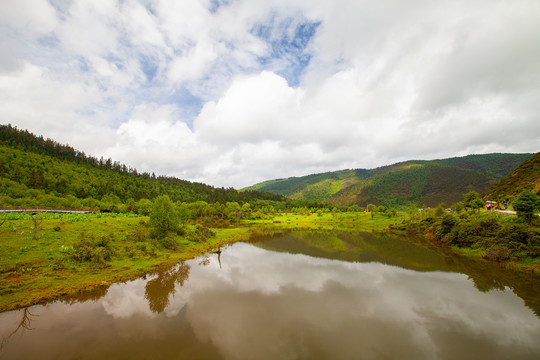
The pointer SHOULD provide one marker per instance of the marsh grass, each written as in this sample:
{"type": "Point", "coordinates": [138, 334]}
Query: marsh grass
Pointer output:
{"type": "Point", "coordinates": [332, 221]}
{"type": "Point", "coordinates": [76, 253]}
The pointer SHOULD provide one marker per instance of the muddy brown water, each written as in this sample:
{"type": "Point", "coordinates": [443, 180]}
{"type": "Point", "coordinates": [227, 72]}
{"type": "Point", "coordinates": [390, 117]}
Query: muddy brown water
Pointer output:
{"type": "Point", "coordinates": [295, 295]}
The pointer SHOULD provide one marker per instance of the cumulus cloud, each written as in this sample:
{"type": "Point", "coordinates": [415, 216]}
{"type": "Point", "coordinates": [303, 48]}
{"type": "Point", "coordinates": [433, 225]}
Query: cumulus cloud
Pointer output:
{"type": "Point", "coordinates": [232, 93]}
{"type": "Point", "coordinates": [28, 16]}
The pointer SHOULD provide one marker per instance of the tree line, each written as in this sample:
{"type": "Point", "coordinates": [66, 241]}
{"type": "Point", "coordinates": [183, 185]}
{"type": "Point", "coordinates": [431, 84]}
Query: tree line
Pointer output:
{"type": "Point", "coordinates": [41, 172]}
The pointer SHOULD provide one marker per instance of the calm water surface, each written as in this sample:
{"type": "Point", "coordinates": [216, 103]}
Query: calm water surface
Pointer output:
{"type": "Point", "coordinates": [295, 295]}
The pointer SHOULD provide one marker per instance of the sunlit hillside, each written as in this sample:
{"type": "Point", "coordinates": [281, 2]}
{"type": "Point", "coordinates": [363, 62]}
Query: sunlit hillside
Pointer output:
{"type": "Point", "coordinates": [410, 183]}
{"type": "Point", "coordinates": [525, 177]}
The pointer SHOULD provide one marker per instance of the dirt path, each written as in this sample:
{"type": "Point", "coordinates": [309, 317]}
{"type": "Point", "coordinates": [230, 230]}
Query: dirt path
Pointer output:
{"type": "Point", "coordinates": [509, 212]}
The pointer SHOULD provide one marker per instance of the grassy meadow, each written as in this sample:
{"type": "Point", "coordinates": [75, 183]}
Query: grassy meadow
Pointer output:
{"type": "Point", "coordinates": [50, 255]}
{"type": "Point", "coordinates": [73, 253]}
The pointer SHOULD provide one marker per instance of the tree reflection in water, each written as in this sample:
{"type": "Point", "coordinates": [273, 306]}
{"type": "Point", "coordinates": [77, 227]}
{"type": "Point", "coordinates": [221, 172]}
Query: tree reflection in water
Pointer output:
{"type": "Point", "coordinates": [204, 260]}
{"type": "Point", "coordinates": [24, 324]}
{"type": "Point", "coordinates": [158, 290]}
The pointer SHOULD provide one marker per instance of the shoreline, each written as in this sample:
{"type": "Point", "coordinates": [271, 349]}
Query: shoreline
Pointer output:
{"type": "Point", "coordinates": [41, 271]}
{"type": "Point", "coordinates": [44, 270]}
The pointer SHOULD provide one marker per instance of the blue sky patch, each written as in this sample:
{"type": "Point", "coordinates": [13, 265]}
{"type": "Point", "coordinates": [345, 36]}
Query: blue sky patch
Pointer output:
{"type": "Point", "coordinates": [48, 41]}
{"type": "Point", "coordinates": [190, 105]}
{"type": "Point", "coordinates": [216, 4]}
{"type": "Point", "coordinates": [288, 42]}
{"type": "Point", "coordinates": [149, 67]}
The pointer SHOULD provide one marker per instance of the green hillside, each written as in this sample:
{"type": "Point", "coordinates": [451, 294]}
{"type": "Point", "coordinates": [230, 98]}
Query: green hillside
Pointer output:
{"type": "Point", "coordinates": [494, 165]}
{"type": "Point", "coordinates": [315, 187]}
{"type": "Point", "coordinates": [410, 183]}
{"type": "Point", "coordinates": [41, 172]}
{"type": "Point", "coordinates": [418, 185]}
{"type": "Point", "coordinates": [525, 177]}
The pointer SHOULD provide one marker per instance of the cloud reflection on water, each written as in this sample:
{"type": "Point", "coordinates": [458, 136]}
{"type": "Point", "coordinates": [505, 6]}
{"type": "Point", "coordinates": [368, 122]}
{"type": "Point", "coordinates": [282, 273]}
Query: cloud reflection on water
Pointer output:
{"type": "Point", "coordinates": [289, 306]}
{"type": "Point", "coordinates": [271, 305]}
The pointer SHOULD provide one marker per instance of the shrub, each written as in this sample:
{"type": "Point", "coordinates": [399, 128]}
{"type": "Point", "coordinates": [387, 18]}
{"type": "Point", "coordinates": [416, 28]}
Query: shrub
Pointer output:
{"type": "Point", "coordinates": [136, 236]}
{"type": "Point", "coordinates": [439, 211]}
{"type": "Point", "coordinates": [520, 239]}
{"type": "Point", "coordinates": [526, 205]}
{"type": "Point", "coordinates": [163, 217]}
{"type": "Point", "coordinates": [90, 250]}
{"type": "Point", "coordinates": [445, 225]}
{"type": "Point", "coordinates": [515, 233]}
{"type": "Point", "coordinates": [497, 253]}
{"type": "Point", "coordinates": [168, 242]}
{"type": "Point", "coordinates": [463, 233]}
{"type": "Point", "coordinates": [200, 234]}
{"type": "Point", "coordinates": [100, 255]}
{"type": "Point", "coordinates": [472, 200]}
{"type": "Point", "coordinates": [140, 249]}
{"type": "Point", "coordinates": [488, 225]}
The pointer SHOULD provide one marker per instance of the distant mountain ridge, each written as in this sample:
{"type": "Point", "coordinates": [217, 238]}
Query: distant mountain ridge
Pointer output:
{"type": "Point", "coordinates": [409, 183]}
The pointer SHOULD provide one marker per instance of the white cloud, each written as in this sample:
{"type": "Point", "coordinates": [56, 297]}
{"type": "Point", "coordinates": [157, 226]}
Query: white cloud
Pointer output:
{"type": "Point", "coordinates": [193, 65]}
{"type": "Point", "coordinates": [375, 83]}
{"type": "Point", "coordinates": [27, 16]}
{"type": "Point", "coordinates": [143, 27]}
{"type": "Point", "coordinates": [36, 100]}
{"type": "Point", "coordinates": [151, 132]}
{"type": "Point", "coordinates": [90, 28]}
{"type": "Point", "coordinates": [252, 110]}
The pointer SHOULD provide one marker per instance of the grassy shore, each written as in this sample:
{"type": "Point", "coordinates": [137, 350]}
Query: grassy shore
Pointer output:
{"type": "Point", "coordinates": [51, 256]}
{"type": "Point", "coordinates": [333, 221]}
{"type": "Point", "coordinates": [502, 238]}
{"type": "Point", "coordinates": [77, 253]}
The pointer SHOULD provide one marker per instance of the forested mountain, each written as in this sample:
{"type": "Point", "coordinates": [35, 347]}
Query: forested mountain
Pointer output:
{"type": "Point", "coordinates": [525, 177]}
{"type": "Point", "coordinates": [41, 172]}
{"type": "Point", "coordinates": [415, 182]}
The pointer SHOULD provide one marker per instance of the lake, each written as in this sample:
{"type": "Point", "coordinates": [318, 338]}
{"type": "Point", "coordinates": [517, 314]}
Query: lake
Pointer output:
{"type": "Point", "coordinates": [295, 294]}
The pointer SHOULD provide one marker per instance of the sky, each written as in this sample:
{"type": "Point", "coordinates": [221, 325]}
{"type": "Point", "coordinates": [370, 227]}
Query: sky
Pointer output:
{"type": "Point", "coordinates": [234, 92]}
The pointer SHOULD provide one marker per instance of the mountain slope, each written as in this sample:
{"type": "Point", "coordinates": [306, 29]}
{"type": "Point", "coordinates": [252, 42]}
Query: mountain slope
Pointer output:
{"type": "Point", "coordinates": [421, 184]}
{"type": "Point", "coordinates": [415, 182]}
{"type": "Point", "coordinates": [314, 186]}
{"type": "Point", "coordinates": [524, 177]}
{"type": "Point", "coordinates": [39, 172]}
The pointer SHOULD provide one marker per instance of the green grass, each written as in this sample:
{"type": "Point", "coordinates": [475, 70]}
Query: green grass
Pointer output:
{"type": "Point", "coordinates": [467, 251]}
{"type": "Point", "coordinates": [339, 221]}
{"type": "Point", "coordinates": [44, 269]}
{"type": "Point", "coordinates": [73, 254]}
{"type": "Point", "coordinates": [528, 264]}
